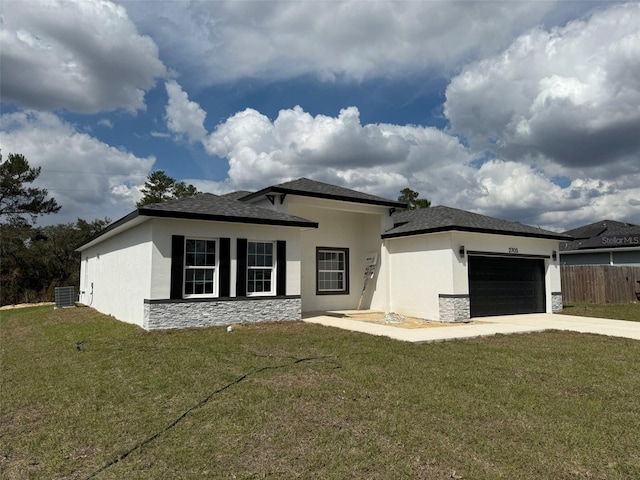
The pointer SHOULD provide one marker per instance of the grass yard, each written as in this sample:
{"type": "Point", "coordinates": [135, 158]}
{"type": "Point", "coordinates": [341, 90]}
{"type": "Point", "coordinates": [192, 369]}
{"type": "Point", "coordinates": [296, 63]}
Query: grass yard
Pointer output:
{"type": "Point", "coordinates": [84, 396]}
{"type": "Point", "coordinates": [624, 311]}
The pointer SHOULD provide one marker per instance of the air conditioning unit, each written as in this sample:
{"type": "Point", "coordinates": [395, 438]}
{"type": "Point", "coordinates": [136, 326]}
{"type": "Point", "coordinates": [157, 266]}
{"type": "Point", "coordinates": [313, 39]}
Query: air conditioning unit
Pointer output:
{"type": "Point", "coordinates": [65, 297]}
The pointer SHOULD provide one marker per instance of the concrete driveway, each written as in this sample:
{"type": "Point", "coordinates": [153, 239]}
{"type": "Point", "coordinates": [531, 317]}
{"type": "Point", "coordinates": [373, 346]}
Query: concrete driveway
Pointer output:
{"type": "Point", "coordinates": [535, 322]}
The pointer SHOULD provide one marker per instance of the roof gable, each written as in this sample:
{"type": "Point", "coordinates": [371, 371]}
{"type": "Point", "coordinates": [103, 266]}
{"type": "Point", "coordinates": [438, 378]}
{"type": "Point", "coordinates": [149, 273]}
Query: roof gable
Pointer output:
{"type": "Point", "coordinates": [441, 219]}
{"type": "Point", "coordinates": [312, 188]}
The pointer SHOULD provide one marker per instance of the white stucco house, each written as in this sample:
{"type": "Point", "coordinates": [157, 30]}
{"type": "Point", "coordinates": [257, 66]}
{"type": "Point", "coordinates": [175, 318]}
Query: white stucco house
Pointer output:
{"type": "Point", "coordinates": [304, 246]}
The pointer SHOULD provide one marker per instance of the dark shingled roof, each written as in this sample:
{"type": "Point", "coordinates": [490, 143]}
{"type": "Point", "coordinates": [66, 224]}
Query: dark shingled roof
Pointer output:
{"type": "Point", "coordinates": [312, 188]}
{"type": "Point", "coordinates": [603, 234]}
{"type": "Point", "coordinates": [442, 219]}
{"type": "Point", "coordinates": [237, 195]}
{"type": "Point", "coordinates": [206, 206]}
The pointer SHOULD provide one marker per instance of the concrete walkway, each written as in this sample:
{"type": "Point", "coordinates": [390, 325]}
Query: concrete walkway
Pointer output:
{"type": "Point", "coordinates": [535, 322]}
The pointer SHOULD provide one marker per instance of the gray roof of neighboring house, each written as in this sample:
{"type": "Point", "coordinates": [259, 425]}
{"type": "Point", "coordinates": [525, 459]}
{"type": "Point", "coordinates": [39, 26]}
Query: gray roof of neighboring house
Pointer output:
{"type": "Point", "coordinates": [442, 219]}
{"type": "Point", "coordinates": [206, 206]}
{"type": "Point", "coordinates": [312, 188]}
{"type": "Point", "coordinates": [603, 234]}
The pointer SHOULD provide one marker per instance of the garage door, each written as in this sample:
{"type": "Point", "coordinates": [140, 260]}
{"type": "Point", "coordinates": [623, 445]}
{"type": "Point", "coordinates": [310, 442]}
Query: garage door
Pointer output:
{"type": "Point", "coordinates": [506, 286]}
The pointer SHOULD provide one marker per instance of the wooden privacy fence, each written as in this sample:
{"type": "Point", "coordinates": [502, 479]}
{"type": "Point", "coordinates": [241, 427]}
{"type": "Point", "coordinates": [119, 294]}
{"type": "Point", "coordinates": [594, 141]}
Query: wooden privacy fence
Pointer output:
{"type": "Point", "coordinates": [599, 284]}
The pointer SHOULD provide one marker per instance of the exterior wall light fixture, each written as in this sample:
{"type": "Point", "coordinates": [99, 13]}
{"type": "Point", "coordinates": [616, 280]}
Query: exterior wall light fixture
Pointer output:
{"type": "Point", "coordinates": [461, 251]}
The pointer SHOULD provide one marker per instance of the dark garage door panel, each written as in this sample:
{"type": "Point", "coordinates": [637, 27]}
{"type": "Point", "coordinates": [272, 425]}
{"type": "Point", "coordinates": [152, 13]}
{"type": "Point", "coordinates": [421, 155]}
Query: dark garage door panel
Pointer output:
{"type": "Point", "coordinates": [506, 286]}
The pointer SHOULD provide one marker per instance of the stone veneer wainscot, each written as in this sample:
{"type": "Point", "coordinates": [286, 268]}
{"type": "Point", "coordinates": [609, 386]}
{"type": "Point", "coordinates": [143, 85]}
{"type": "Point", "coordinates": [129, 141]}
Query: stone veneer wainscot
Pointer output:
{"type": "Point", "coordinates": [165, 314]}
{"type": "Point", "coordinates": [556, 302]}
{"type": "Point", "coordinates": [454, 308]}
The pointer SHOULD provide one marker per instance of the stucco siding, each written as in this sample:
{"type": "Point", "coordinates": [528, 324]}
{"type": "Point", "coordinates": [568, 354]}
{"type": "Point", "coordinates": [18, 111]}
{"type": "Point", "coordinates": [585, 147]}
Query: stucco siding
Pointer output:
{"type": "Point", "coordinates": [163, 229]}
{"type": "Point", "coordinates": [553, 283]}
{"type": "Point", "coordinates": [419, 271]}
{"type": "Point", "coordinates": [380, 288]}
{"type": "Point", "coordinates": [115, 275]}
{"type": "Point", "coordinates": [502, 243]}
{"type": "Point", "coordinates": [359, 231]}
{"type": "Point", "coordinates": [424, 271]}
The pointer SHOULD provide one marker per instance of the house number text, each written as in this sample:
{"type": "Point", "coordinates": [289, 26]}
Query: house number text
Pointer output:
{"type": "Point", "coordinates": [513, 249]}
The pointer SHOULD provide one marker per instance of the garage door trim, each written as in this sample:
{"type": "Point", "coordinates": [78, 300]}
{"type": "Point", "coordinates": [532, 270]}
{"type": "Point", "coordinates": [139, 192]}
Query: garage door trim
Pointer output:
{"type": "Point", "coordinates": [509, 255]}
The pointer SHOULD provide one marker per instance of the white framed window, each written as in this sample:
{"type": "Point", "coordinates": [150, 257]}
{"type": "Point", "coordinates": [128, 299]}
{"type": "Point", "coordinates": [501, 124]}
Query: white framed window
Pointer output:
{"type": "Point", "coordinates": [260, 268]}
{"type": "Point", "coordinates": [332, 271]}
{"type": "Point", "coordinates": [200, 268]}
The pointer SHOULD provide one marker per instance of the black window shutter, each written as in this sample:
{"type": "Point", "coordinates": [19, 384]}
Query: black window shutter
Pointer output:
{"type": "Point", "coordinates": [281, 267]}
{"type": "Point", "coordinates": [224, 275]}
{"type": "Point", "coordinates": [177, 266]}
{"type": "Point", "coordinates": [241, 273]}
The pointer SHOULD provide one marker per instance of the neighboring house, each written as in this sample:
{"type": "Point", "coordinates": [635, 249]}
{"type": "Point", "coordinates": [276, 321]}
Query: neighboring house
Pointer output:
{"type": "Point", "coordinates": [301, 246]}
{"type": "Point", "coordinates": [602, 243]}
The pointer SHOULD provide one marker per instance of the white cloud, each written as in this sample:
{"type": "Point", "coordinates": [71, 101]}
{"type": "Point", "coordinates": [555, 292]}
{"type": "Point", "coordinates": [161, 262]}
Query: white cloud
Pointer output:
{"type": "Point", "coordinates": [159, 135]}
{"type": "Point", "coordinates": [81, 55]}
{"type": "Point", "coordinates": [333, 149]}
{"type": "Point", "coordinates": [513, 191]}
{"type": "Point", "coordinates": [225, 40]}
{"type": "Point", "coordinates": [382, 159]}
{"type": "Point", "coordinates": [565, 98]}
{"type": "Point", "coordinates": [184, 116]}
{"type": "Point", "coordinates": [87, 177]}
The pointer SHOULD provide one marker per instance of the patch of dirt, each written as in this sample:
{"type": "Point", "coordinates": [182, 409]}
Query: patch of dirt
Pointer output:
{"type": "Point", "coordinates": [400, 321]}
{"type": "Point", "coordinates": [24, 305]}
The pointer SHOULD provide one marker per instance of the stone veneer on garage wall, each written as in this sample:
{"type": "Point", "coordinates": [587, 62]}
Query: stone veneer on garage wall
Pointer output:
{"type": "Point", "coordinates": [556, 302]}
{"type": "Point", "coordinates": [454, 308]}
{"type": "Point", "coordinates": [164, 314]}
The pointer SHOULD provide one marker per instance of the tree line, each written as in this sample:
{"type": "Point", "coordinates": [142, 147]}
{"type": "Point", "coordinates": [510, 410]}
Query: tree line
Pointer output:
{"type": "Point", "coordinates": [35, 260]}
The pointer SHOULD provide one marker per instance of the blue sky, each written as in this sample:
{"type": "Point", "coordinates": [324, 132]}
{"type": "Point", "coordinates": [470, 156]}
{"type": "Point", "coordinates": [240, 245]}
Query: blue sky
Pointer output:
{"type": "Point", "coordinates": [527, 111]}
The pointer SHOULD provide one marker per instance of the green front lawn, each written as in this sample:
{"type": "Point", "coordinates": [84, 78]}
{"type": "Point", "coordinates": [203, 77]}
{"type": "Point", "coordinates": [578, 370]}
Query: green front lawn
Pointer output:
{"type": "Point", "coordinates": [85, 396]}
{"type": "Point", "coordinates": [624, 311]}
